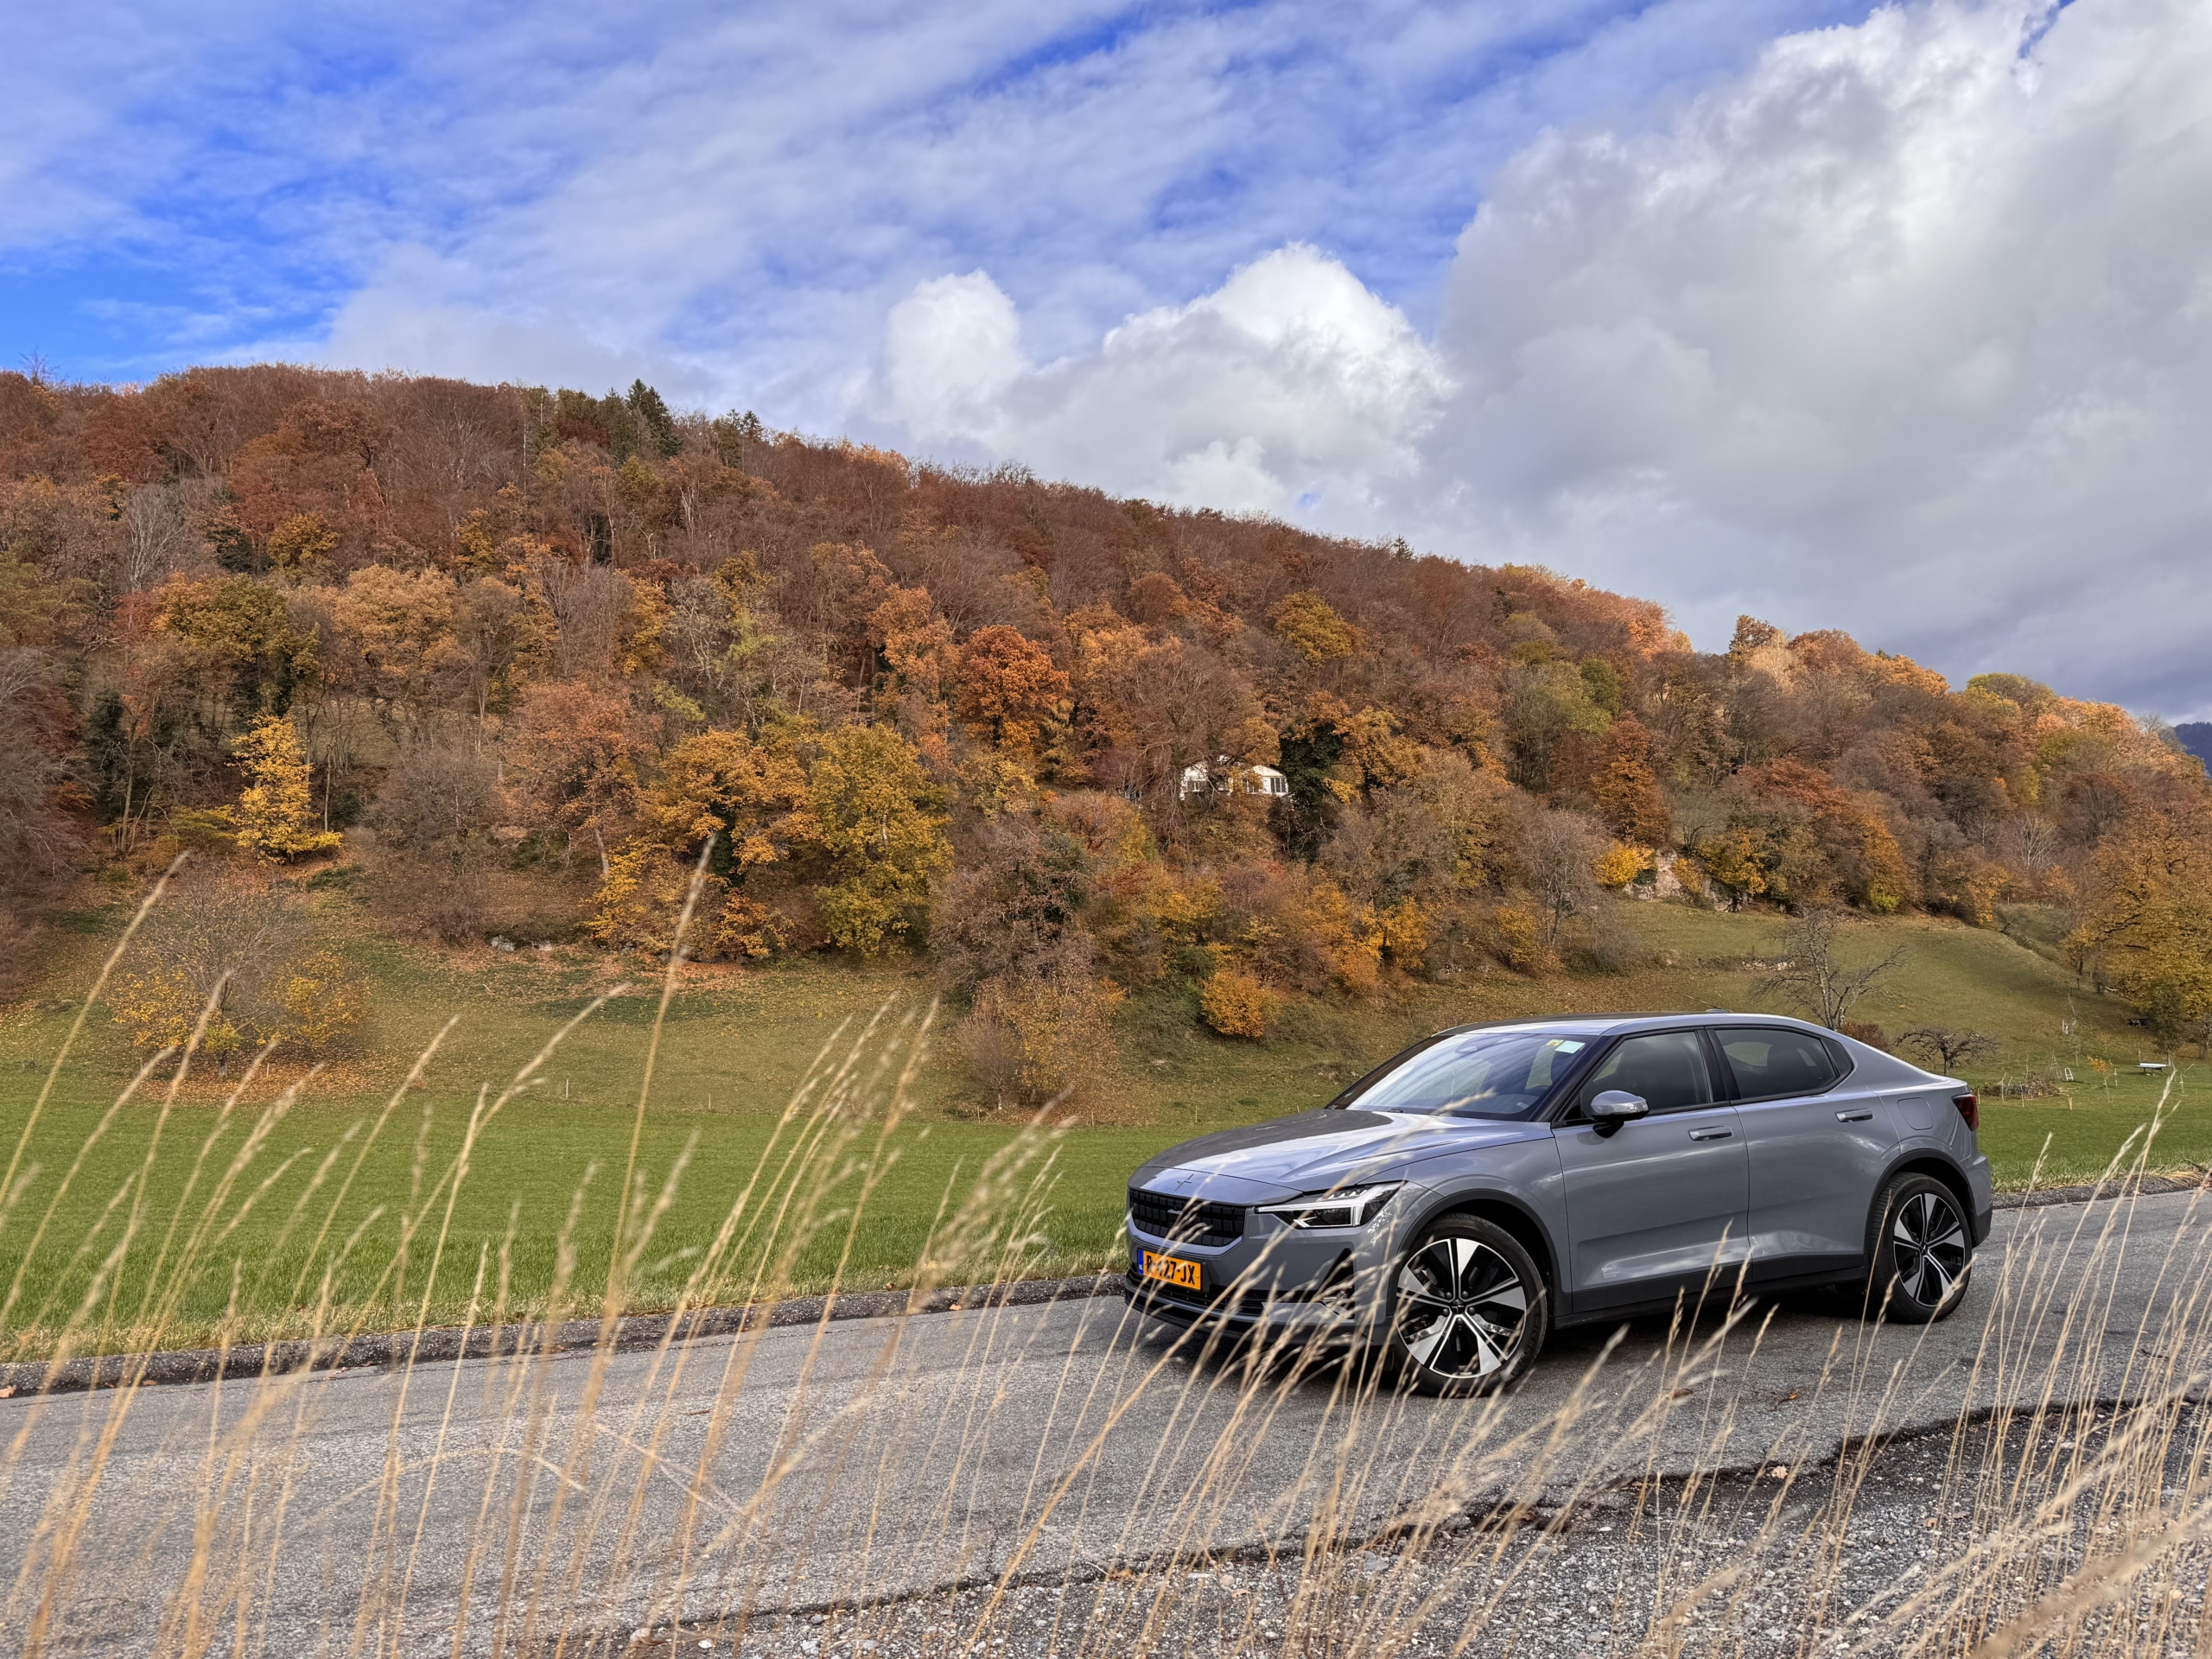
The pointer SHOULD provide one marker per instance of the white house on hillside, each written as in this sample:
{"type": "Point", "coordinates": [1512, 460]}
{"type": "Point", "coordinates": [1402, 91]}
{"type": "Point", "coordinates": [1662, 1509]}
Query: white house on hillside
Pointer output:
{"type": "Point", "coordinates": [1225, 777]}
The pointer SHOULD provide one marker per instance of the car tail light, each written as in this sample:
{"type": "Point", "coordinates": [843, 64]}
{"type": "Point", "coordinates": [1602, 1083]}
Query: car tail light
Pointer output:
{"type": "Point", "coordinates": [1969, 1107]}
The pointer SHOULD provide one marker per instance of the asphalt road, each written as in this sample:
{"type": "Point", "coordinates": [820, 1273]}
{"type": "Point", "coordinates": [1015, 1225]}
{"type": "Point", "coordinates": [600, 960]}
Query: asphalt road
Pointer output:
{"type": "Point", "coordinates": [489, 1505]}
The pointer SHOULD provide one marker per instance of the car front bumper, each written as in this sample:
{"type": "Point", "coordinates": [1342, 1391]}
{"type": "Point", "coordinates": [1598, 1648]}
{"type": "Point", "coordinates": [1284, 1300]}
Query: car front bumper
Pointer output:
{"type": "Point", "coordinates": [1321, 1281]}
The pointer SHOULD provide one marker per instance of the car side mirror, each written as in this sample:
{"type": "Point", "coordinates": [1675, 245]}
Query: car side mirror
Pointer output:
{"type": "Point", "coordinates": [1611, 1108]}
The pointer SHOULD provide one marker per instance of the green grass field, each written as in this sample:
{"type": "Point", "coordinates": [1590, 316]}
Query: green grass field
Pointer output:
{"type": "Point", "coordinates": [737, 1044]}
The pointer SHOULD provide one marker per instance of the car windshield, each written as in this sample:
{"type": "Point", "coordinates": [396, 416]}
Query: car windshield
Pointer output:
{"type": "Point", "coordinates": [1475, 1074]}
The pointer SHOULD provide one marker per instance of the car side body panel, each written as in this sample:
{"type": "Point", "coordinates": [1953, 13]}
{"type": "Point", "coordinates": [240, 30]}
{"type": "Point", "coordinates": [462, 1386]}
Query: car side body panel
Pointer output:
{"type": "Point", "coordinates": [1816, 1162]}
{"type": "Point", "coordinates": [1654, 1207]}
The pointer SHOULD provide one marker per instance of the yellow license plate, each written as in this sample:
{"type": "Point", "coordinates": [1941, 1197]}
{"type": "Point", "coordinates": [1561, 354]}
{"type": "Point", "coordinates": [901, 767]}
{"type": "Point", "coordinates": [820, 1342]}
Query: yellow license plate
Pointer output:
{"type": "Point", "coordinates": [1170, 1270]}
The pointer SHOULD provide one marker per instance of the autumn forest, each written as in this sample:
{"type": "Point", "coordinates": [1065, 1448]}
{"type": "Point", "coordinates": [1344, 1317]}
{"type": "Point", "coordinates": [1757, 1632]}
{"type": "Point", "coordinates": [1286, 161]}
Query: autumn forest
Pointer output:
{"type": "Point", "coordinates": [527, 659]}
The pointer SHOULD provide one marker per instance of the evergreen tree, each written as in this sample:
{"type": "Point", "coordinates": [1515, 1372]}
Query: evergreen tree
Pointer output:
{"type": "Point", "coordinates": [651, 412]}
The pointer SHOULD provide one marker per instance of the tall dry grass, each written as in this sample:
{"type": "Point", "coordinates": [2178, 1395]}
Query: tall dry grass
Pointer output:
{"type": "Point", "coordinates": [926, 1482]}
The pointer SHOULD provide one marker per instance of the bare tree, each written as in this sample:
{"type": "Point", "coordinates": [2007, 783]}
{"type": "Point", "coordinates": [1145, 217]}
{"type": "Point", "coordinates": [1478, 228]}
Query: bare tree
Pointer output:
{"type": "Point", "coordinates": [436, 798]}
{"type": "Point", "coordinates": [1557, 854]}
{"type": "Point", "coordinates": [156, 537]}
{"type": "Point", "coordinates": [1949, 1048]}
{"type": "Point", "coordinates": [1826, 988]}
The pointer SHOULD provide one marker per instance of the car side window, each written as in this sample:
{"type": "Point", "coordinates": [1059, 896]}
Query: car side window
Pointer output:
{"type": "Point", "coordinates": [1666, 1067]}
{"type": "Point", "coordinates": [1773, 1062]}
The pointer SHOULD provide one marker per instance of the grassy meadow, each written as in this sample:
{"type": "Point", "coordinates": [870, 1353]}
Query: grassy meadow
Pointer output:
{"type": "Point", "coordinates": [336, 1181]}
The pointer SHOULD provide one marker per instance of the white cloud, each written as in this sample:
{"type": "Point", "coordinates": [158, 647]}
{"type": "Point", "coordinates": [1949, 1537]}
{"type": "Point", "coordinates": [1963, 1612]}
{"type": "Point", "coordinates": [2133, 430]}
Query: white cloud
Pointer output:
{"type": "Point", "coordinates": [417, 316]}
{"type": "Point", "coordinates": [1290, 385]}
{"type": "Point", "coordinates": [951, 349]}
{"type": "Point", "coordinates": [1907, 330]}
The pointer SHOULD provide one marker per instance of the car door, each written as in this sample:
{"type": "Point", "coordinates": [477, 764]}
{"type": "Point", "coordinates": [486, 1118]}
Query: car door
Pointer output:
{"type": "Point", "coordinates": [1652, 1204]}
{"type": "Point", "coordinates": [1818, 1148]}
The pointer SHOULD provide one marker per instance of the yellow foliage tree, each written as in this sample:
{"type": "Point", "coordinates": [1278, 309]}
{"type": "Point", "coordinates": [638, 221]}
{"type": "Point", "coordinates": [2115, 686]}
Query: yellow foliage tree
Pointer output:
{"type": "Point", "coordinates": [159, 1007]}
{"type": "Point", "coordinates": [276, 813]}
{"type": "Point", "coordinates": [749, 799]}
{"type": "Point", "coordinates": [1735, 861]}
{"type": "Point", "coordinates": [2149, 913]}
{"type": "Point", "coordinates": [1401, 930]}
{"type": "Point", "coordinates": [1520, 940]}
{"type": "Point", "coordinates": [1308, 621]}
{"type": "Point", "coordinates": [881, 821]}
{"type": "Point", "coordinates": [1349, 938]}
{"type": "Point", "coordinates": [301, 544]}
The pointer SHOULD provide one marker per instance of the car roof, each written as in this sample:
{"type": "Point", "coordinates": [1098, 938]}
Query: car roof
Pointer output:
{"type": "Point", "coordinates": [1608, 1025]}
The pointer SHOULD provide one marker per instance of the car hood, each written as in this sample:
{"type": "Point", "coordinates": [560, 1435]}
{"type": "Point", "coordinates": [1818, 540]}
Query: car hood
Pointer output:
{"type": "Point", "coordinates": [1266, 1162]}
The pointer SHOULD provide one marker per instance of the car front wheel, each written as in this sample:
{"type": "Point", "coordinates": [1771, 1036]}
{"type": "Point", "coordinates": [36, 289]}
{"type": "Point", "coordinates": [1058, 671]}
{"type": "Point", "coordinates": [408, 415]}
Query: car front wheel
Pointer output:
{"type": "Point", "coordinates": [1923, 1252]}
{"type": "Point", "coordinates": [1469, 1310]}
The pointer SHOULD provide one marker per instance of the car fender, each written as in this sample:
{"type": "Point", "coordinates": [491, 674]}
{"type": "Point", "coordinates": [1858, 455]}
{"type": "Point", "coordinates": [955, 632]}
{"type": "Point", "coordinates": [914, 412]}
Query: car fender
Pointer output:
{"type": "Point", "coordinates": [1531, 1184]}
{"type": "Point", "coordinates": [1922, 1149]}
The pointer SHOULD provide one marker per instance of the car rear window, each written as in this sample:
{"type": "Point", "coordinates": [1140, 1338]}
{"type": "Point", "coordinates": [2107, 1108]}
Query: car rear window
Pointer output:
{"type": "Point", "coordinates": [1773, 1061]}
{"type": "Point", "coordinates": [1477, 1074]}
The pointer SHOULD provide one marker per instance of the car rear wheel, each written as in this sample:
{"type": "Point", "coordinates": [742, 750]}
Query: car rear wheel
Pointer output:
{"type": "Point", "coordinates": [1469, 1309]}
{"type": "Point", "coordinates": [1923, 1252]}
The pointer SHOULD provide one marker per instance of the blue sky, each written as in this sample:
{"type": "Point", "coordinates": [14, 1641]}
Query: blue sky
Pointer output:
{"type": "Point", "coordinates": [1895, 320]}
{"type": "Point", "coordinates": [733, 193]}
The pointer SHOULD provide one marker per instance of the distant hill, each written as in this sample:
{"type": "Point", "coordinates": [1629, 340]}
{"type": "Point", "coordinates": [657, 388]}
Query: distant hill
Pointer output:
{"type": "Point", "coordinates": [2196, 738]}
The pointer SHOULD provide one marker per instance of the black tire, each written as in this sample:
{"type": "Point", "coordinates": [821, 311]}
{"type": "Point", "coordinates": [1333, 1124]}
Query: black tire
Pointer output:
{"type": "Point", "coordinates": [1923, 1252]}
{"type": "Point", "coordinates": [1469, 1310]}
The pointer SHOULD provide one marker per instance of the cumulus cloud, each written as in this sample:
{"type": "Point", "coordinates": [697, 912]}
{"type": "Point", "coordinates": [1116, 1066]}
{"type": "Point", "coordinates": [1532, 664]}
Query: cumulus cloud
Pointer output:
{"type": "Point", "coordinates": [1289, 387]}
{"type": "Point", "coordinates": [1908, 330]}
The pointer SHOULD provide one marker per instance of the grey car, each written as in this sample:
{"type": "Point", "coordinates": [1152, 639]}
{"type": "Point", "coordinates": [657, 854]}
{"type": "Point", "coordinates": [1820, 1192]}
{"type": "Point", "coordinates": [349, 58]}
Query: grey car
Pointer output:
{"type": "Point", "coordinates": [1497, 1182]}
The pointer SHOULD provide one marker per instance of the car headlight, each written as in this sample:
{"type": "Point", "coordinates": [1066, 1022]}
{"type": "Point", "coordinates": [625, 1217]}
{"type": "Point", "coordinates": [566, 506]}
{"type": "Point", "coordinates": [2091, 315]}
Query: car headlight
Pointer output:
{"type": "Point", "coordinates": [1341, 1206]}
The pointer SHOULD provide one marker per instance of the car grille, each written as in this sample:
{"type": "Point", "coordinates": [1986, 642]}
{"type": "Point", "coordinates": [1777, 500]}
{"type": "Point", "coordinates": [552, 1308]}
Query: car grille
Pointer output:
{"type": "Point", "coordinates": [1187, 1221]}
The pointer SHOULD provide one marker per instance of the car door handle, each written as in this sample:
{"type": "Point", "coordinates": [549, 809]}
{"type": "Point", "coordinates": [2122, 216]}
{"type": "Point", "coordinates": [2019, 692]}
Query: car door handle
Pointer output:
{"type": "Point", "coordinates": [1852, 1117]}
{"type": "Point", "coordinates": [1711, 1135]}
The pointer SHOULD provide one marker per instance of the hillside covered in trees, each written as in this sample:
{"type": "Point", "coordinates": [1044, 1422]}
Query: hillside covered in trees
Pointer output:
{"type": "Point", "coordinates": [520, 656]}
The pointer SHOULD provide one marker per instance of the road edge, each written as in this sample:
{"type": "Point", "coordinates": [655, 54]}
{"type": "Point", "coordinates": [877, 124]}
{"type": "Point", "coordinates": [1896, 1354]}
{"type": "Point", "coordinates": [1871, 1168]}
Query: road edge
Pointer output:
{"type": "Point", "coordinates": [383, 1350]}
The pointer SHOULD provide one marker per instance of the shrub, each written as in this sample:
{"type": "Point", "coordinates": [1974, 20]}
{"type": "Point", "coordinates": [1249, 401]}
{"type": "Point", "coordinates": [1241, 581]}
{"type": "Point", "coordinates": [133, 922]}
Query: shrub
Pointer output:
{"type": "Point", "coordinates": [233, 934]}
{"type": "Point", "coordinates": [1620, 864]}
{"type": "Point", "coordinates": [1030, 1040]}
{"type": "Point", "coordinates": [1611, 947]}
{"type": "Point", "coordinates": [1237, 1005]}
{"type": "Point", "coordinates": [1519, 940]}
{"type": "Point", "coordinates": [323, 1002]}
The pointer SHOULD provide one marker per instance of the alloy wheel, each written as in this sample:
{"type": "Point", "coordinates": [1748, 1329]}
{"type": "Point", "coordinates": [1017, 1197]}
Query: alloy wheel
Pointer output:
{"type": "Point", "coordinates": [1461, 1307]}
{"type": "Point", "coordinates": [1929, 1241]}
